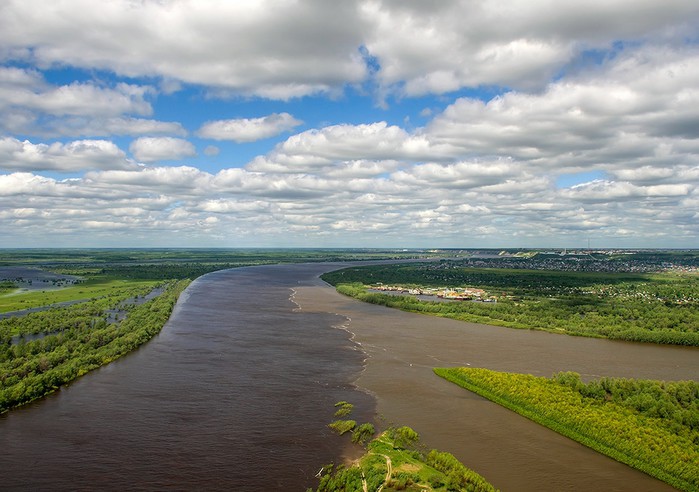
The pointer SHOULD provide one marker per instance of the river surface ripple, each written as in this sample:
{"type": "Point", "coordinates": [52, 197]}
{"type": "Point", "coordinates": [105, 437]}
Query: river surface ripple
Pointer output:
{"type": "Point", "coordinates": [234, 394]}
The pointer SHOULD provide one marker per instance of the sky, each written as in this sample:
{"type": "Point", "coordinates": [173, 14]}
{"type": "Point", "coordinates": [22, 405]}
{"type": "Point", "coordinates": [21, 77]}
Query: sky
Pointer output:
{"type": "Point", "coordinates": [367, 123]}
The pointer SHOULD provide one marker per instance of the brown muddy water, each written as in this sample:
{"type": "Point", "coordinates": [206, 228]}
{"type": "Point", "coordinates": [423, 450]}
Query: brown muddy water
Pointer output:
{"type": "Point", "coordinates": [236, 392]}
{"type": "Point", "coordinates": [512, 452]}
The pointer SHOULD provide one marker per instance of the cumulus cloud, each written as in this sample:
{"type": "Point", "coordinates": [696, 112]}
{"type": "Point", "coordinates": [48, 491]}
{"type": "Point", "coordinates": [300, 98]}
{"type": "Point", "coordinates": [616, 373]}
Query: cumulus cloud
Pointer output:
{"type": "Point", "coordinates": [441, 48]}
{"type": "Point", "coordinates": [276, 49]}
{"type": "Point", "coordinates": [78, 126]}
{"type": "Point", "coordinates": [611, 118]}
{"type": "Point", "coordinates": [211, 150]}
{"type": "Point", "coordinates": [623, 105]}
{"type": "Point", "coordinates": [27, 89]}
{"type": "Point", "coordinates": [287, 49]}
{"type": "Point", "coordinates": [79, 155]}
{"type": "Point", "coordinates": [151, 149]}
{"type": "Point", "coordinates": [30, 105]}
{"type": "Point", "coordinates": [249, 129]}
{"type": "Point", "coordinates": [324, 148]}
{"type": "Point", "coordinates": [182, 200]}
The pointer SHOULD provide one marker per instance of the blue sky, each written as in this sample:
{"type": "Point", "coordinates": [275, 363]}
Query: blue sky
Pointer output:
{"type": "Point", "coordinates": [364, 123]}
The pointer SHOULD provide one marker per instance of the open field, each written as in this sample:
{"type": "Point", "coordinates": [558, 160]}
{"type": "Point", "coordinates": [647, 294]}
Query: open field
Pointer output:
{"type": "Point", "coordinates": [93, 287]}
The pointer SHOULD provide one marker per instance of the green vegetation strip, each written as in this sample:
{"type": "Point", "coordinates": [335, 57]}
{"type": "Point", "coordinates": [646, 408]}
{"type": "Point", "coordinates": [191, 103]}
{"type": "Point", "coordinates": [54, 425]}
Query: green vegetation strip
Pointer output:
{"type": "Point", "coordinates": [655, 308]}
{"type": "Point", "coordinates": [649, 425]}
{"type": "Point", "coordinates": [33, 369]}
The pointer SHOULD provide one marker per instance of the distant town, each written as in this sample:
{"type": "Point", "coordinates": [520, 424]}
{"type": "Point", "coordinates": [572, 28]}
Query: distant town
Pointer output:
{"type": "Point", "coordinates": [579, 260]}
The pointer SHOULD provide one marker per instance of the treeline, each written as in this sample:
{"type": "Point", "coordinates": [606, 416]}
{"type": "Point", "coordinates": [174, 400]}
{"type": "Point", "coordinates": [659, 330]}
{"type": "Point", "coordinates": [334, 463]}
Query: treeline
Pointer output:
{"type": "Point", "coordinates": [658, 310]}
{"type": "Point", "coordinates": [612, 416]}
{"type": "Point", "coordinates": [33, 369]}
{"type": "Point", "coordinates": [54, 257]}
{"type": "Point", "coordinates": [676, 403]}
{"type": "Point", "coordinates": [518, 282]}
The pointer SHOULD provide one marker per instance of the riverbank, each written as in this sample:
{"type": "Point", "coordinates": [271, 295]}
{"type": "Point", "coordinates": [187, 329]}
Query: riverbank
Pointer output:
{"type": "Point", "coordinates": [511, 452]}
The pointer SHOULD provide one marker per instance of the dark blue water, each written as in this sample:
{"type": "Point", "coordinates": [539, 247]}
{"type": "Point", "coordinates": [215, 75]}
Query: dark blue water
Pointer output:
{"type": "Point", "coordinates": [234, 394]}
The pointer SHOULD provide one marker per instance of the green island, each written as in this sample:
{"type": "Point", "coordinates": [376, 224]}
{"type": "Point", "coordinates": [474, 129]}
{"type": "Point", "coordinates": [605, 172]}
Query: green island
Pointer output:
{"type": "Point", "coordinates": [635, 297]}
{"type": "Point", "coordinates": [66, 312]}
{"type": "Point", "coordinates": [394, 460]}
{"type": "Point", "coordinates": [652, 426]}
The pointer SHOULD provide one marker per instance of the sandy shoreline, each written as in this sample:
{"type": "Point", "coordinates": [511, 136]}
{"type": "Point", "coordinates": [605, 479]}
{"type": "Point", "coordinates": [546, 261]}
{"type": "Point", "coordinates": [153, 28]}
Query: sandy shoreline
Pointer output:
{"type": "Point", "coordinates": [510, 451]}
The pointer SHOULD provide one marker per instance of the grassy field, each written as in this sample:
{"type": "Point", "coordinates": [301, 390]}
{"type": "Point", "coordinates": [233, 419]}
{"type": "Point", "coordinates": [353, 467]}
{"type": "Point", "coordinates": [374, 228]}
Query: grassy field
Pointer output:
{"type": "Point", "coordinates": [96, 286]}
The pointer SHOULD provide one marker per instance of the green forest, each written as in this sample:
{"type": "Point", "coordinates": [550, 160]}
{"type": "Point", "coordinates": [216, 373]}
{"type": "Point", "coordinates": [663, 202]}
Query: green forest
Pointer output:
{"type": "Point", "coordinates": [644, 307]}
{"type": "Point", "coordinates": [650, 425]}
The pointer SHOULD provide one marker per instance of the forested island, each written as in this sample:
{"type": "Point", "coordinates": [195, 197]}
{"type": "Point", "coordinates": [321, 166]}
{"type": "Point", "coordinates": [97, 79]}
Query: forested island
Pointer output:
{"type": "Point", "coordinates": [650, 425]}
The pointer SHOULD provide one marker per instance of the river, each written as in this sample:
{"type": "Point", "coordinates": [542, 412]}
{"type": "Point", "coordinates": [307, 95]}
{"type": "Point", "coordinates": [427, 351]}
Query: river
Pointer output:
{"type": "Point", "coordinates": [236, 391]}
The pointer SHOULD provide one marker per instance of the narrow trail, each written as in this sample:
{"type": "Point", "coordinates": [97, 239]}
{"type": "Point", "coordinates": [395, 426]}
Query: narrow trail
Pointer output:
{"type": "Point", "coordinates": [389, 472]}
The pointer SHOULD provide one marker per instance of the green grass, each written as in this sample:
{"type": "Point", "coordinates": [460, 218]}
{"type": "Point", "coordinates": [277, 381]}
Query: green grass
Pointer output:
{"type": "Point", "coordinates": [653, 445]}
{"type": "Point", "coordinates": [93, 287]}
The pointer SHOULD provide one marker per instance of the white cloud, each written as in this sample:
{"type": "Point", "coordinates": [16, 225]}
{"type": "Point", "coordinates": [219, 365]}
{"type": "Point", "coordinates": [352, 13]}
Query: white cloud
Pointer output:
{"type": "Point", "coordinates": [610, 191]}
{"type": "Point", "coordinates": [624, 105]}
{"type": "Point", "coordinates": [113, 126]}
{"type": "Point", "coordinates": [168, 180]}
{"type": "Point", "coordinates": [276, 49]}
{"type": "Point", "coordinates": [156, 201]}
{"type": "Point", "coordinates": [280, 49]}
{"type": "Point", "coordinates": [624, 115]}
{"type": "Point", "coordinates": [151, 149]}
{"type": "Point", "coordinates": [79, 155]}
{"type": "Point", "coordinates": [444, 47]}
{"type": "Point", "coordinates": [326, 147]}
{"type": "Point", "coordinates": [249, 129]}
{"type": "Point", "coordinates": [27, 89]}
{"type": "Point", "coordinates": [461, 175]}
{"type": "Point", "coordinates": [30, 105]}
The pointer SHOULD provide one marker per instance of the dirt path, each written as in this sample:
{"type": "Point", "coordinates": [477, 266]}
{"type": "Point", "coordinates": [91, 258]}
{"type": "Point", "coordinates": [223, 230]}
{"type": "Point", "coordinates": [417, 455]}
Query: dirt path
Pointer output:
{"type": "Point", "coordinates": [389, 472]}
